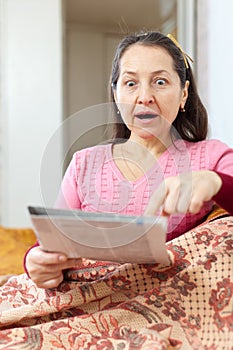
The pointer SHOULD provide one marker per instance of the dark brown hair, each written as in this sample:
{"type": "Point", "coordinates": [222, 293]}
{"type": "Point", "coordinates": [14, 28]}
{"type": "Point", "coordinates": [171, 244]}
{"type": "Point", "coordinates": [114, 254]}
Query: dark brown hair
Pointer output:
{"type": "Point", "coordinates": [191, 125]}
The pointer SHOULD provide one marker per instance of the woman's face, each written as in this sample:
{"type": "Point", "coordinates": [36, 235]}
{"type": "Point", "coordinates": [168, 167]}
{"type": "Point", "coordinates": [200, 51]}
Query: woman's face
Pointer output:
{"type": "Point", "coordinates": [148, 92]}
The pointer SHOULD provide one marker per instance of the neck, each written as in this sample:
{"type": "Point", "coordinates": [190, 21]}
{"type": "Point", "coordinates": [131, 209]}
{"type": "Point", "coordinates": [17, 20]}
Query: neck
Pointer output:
{"type": "Point", "coordinates": [153, 145]}
{"type": "Point", "coordinates": [136, 156]}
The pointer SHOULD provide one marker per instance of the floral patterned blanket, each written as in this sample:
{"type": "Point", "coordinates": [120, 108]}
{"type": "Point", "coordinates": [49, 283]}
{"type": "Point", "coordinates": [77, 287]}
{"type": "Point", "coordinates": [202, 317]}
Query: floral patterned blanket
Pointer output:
{"type": "Point", "coordinates": [186, 305]}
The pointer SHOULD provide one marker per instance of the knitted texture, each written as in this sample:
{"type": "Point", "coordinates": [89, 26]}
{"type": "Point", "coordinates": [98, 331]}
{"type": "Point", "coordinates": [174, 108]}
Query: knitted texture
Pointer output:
{"type": "Point", "coordinates": [94, 183]}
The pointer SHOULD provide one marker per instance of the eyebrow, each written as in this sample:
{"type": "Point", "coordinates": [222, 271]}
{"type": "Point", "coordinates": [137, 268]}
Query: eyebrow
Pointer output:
{"type": "Point", "coordinates": [160, 71]}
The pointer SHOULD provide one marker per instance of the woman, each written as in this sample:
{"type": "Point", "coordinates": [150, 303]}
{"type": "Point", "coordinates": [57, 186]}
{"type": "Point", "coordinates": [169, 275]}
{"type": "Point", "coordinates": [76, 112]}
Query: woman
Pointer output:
{"type": "Point", "coordinates": [159, 159]}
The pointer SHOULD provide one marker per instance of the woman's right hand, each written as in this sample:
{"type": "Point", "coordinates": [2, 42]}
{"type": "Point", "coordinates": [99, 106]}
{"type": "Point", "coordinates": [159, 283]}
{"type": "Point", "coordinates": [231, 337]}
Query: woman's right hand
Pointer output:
{"type": "Point", "coordinates": [46, 269]}
{"type": "Point", "coordinates": [184, 193]}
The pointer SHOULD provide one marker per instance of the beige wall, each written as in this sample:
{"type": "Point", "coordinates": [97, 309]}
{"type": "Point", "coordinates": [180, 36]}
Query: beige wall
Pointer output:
{"type": "Point", "coordinates": [89, 53]}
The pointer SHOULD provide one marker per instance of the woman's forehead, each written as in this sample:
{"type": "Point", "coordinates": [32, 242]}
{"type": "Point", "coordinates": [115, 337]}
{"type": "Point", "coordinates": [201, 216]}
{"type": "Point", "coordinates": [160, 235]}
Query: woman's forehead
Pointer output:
{"type": "Point", "coordinates": [138, 55]}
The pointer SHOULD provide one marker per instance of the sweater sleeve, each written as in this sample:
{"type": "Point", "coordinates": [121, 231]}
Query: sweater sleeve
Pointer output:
{"type": "Point", "coordinates": [224, 197]}
{"type": "Point", "coordinates": [25, 257]}
{"type": "Point", "coordinates": [68, 195]}
{"type": "Point", "coordinates": [222, 156]}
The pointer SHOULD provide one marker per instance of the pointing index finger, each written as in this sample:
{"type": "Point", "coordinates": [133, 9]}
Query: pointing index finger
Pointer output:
{"type": "Point", "coordinates": [156, 200]}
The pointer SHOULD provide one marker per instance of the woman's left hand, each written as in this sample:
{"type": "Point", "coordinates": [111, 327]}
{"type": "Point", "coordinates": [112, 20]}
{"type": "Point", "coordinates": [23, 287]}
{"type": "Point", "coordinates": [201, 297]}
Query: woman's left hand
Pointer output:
{"type": "Point", "coordinates": [184, 193]}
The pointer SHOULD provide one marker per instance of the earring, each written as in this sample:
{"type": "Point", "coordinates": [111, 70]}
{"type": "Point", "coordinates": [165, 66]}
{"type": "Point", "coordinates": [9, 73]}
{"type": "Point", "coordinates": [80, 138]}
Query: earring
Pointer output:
{"type": "Point", "coordinates": [118, 112]}
{"type": "Point", "coordinates": [182, 109]}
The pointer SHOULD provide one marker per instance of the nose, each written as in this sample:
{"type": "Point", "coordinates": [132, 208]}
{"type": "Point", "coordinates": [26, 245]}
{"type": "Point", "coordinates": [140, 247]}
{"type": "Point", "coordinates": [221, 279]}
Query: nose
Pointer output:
{"type": "Point", "coordinates": [145, 95]}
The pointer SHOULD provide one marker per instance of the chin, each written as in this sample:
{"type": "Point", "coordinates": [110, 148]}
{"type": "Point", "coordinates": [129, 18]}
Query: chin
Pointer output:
{"type": "Point", "coordinates": [144, 133]}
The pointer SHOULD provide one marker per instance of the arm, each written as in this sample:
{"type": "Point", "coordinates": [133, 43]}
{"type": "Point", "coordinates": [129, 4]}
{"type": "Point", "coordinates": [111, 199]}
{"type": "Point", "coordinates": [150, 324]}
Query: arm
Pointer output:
{"type": "Point", "coordinates": [188, 192]}
{"type": "Point", "coordinates": [68, 196]}
{"type": "Point", "coordinates": [25, 257]}
{"type": "Point", "coordinates": [222, 165]}
{"type": "Point", "coordinates": [224, 197]}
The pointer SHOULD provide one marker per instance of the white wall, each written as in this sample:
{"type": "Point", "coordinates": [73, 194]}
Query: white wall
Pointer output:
{"type": "Point", "coordinates": [210, 46]}
{"type": "Point", "coordinates": [220, 76]}
{"type": "Point", "coordinates": [31, 93]}
{"type": "Point", "coordinates": [186, 26]}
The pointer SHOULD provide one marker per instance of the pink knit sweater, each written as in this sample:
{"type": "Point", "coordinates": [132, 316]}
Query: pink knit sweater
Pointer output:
{"type": "Point", "coordinates": [93, 182]}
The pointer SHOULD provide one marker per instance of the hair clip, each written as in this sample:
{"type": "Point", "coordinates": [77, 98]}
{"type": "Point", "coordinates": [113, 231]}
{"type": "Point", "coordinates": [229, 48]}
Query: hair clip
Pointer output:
{"type": "Point", "coordinates": [185, 55]}
{"type": "Point", "coordinates": [142, 34]}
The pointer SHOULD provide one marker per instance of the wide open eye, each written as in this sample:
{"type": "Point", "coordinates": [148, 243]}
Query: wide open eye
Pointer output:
{"type": "Point", "coordinates": [130, 83]}
{"type": "Point", "coordinates": [161, 82]}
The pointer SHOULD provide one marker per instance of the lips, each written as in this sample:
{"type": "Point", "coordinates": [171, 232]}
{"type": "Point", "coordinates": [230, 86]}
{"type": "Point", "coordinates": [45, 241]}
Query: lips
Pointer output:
{"type": "Point", "coordinates": [146, 116]}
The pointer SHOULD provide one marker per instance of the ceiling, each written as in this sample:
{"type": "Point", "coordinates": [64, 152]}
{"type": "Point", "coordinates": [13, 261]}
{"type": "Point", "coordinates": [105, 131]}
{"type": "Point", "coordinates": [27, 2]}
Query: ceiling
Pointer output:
{"type": "Point", "coordinates": [121, 14]}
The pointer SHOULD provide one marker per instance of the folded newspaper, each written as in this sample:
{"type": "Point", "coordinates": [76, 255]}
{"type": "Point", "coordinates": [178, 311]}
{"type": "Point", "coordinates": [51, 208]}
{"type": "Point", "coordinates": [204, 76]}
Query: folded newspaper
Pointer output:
{"type": "Point", "coordinates": [101, 236]}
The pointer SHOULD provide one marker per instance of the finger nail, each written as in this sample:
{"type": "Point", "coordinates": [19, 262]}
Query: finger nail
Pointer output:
{"type": "Point", "coordinates": [62, 258]}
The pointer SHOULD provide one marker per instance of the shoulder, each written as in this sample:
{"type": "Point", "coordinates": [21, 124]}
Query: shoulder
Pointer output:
{"type": "Point", "coordinates": [88, 159]}
{"type": "Point", "coordinates": [211, 153]}
{"type": "Point", "coordinates": [93, 150]}
{"type": "Point", "coordinates": [92, 153]}
{"type": "Point", "coordinates": [216, 144]}
{"type": "Point", "coordinates": [216, 149]}
{"type": "Point", "coordinates": [209, 145]}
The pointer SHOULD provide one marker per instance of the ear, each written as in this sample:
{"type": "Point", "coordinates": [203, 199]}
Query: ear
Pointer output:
{"type": "Point", "coordinates": [185, 94]}
{"type": "Point", "coordinates": [115, 95]}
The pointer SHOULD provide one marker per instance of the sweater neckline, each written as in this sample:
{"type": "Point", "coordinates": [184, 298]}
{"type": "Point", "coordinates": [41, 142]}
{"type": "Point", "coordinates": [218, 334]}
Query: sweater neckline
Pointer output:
{"type": "Point", "coordinates": [158, 164]}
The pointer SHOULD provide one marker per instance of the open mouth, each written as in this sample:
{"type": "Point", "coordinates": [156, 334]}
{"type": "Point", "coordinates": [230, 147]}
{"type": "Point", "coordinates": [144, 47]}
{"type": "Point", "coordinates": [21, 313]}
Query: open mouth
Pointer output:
{"type": "Point", "coordinates": [146, 116]}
